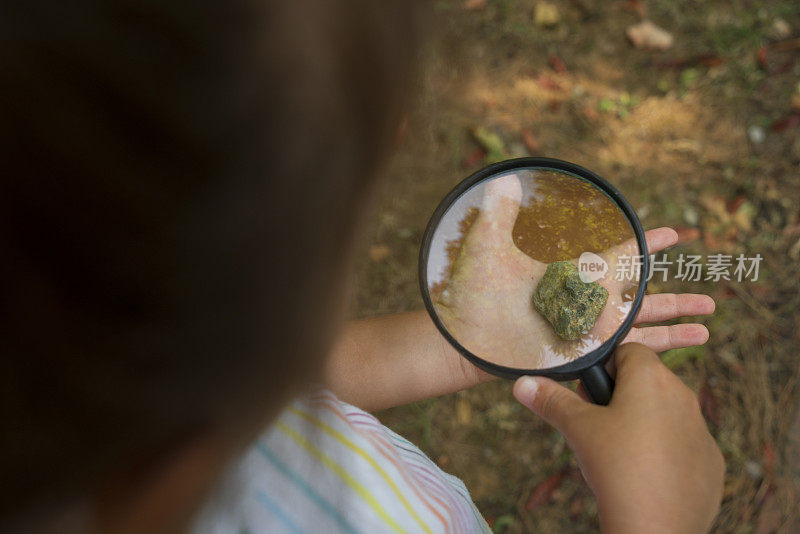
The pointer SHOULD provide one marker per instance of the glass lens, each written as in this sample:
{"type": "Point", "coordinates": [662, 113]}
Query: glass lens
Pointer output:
{"type": "Point", "coordinates": [533, 268]}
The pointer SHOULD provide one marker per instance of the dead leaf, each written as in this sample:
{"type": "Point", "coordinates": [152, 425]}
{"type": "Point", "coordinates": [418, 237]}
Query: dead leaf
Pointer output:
{"type": "Point", "coordinates": [649, 36]}
{"type": "Point", "coordinates": [769, 457]}
{"type": "Point", "coordinates": [709, 403]}
{"type": "Point", "coordinates": [795, 102]}
{"type": "Point", "coordinates": [686, 234]}
{"type": "Point", "coordinates": [785, 46]}
{"type": "Point", "coordinates": [543, 493]}
{"type": "Point", "coordinates": [591, 114]}
{"type": "Point", "coordinates": [548, 83]}
{"type": "Point", "coordinates": [546, 15]}
{"type": "Point", "coordinates": [743, 216]}
{"type": "Point", "coordinates": [530, 141]}
{"type": "Point", "coordinates": [637, 6]}
{"type": "Point", "coordinates": [577, 506]}
{"type": "Point", "coordinates": [557, 63]}
{"type": "Point", "coordinates": [789, 121]}
{"type": "Point", "coordinates": [715, 204]}
{"type": "Point", "coordinates": [706, 59]}
{"type": "Point", "coordinates": [761, 57]}
{"type": "Point", "coordinates": [471, 5]}
{"type": "Point", "coordinates": [474, 158]}
{"type": "Point", "coordinates": [734, 204]}
{"type": "Point", "coordinates": [379, 253]}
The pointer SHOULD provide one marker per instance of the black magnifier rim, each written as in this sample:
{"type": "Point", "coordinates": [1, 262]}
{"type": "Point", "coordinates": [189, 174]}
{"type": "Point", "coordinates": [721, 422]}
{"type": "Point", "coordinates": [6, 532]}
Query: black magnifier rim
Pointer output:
{"type": "Point", "coordinates": [573, 369]}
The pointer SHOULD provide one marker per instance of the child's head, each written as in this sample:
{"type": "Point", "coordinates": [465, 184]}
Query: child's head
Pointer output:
{"type": "Point", "coordinates": [181, 184]}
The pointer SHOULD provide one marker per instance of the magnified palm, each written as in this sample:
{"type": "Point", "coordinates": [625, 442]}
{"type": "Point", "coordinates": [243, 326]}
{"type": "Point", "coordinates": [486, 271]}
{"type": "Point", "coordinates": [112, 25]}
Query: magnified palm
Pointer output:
{"type": "Point", "coordinates": [487, 306]}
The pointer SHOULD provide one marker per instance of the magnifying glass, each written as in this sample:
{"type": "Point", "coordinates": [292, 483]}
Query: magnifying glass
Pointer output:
{"type": "Point", "coordinates": [535, 266]}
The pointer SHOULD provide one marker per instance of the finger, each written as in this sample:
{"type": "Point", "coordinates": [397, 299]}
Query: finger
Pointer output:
{"type": "Point", "coordinates": [551, 401]}
{"type": "Point", "coordinates": [499, 209]}
{"type": "Point", "coordinates": [657, 239]}
{"type": "Point", "coordinates": [661, 338]}
{"type": "Point", "coordinates": [660, 238]}
{"type": "Point", "coordinates": [666, 306]}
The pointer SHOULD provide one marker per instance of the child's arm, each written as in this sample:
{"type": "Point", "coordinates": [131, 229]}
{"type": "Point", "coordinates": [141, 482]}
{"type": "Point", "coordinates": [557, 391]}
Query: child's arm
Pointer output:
{"type": "Point", "coordinates": [392, 360]}
{"type": "Point", "coordinates": [647, 456]}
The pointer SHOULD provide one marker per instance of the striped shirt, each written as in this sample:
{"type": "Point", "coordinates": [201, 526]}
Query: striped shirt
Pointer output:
{"type": "Point", "coordinates": [327, 466]}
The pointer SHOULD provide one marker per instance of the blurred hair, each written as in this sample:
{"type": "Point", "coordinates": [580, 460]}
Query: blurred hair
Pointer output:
{"type": "Point", "coordinates": [180, 186]}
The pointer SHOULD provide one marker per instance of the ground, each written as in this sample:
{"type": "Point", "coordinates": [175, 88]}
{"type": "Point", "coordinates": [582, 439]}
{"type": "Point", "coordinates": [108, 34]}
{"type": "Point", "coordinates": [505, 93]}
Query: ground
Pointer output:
{"type": "Point", "coordinates": [704, 137]}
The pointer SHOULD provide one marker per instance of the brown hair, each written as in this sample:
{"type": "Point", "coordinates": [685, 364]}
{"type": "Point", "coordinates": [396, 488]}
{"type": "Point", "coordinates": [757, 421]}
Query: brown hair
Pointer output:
{"type": "Point", "coordinates": [180, 187]}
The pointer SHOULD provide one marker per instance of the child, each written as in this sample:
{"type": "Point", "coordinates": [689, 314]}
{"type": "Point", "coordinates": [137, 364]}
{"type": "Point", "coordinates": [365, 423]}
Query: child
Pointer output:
{"type": "Point", "coordinates": [182, 183]}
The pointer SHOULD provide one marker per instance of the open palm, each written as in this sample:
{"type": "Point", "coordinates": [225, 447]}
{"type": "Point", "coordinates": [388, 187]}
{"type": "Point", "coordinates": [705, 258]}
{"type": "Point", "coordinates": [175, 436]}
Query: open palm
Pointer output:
{"type": "Point", "coordinates": [487, 307]}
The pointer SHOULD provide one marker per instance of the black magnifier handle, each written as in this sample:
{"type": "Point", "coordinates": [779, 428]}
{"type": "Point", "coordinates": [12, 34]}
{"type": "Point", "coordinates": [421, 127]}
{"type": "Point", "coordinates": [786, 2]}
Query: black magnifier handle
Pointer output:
{"type": "Point", "coordinates": [597, 384]}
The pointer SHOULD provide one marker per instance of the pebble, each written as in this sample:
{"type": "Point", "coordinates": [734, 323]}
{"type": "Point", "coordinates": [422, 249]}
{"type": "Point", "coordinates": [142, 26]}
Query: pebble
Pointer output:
{"type": "Point", "coordinates": [756, 134]}
{"type": "Point", "coordinates": [753, 469]}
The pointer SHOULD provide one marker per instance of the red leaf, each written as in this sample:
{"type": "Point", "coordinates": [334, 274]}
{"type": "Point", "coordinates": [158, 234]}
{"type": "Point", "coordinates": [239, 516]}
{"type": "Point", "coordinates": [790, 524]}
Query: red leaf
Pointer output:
{"type": "Point", "coordinates": [761, 57]}
{"type": "Point", "coordinates": [725, 293]}
{"type": "Point", "coordinates": [735, 204]}
{"type": "Point", "coordinates": [554, 105]}
{"type": "Point", "coordinates": [530, 141]}
{"type": "Point", "coordinates": [710, 60]}
{"type": "Point", "coordinates": [548, 83]}
{"type": "Point", "coordinates": [543, 493]}
{"type": "Point", "coordinates": [706, 59]}
{"type": "Point", "coordinates": [474, 158]}
{"type": "Point", "coordinates": [686, 234]}
{"type": "Point", "coordinates": [591, 114]}
{"type": "Point", "coordinates": [558, 64]}
{"type": "Point", "coordinates": [789, 121]}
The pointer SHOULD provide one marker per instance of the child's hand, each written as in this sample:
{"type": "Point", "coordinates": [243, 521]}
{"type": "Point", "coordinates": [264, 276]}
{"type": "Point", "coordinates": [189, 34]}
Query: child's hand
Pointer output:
{"type": "Point", "coordinates": [647, 456]}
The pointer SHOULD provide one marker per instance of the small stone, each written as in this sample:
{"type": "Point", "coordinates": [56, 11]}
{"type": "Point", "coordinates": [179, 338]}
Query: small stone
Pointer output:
{"type": "Point", "coordinates": [647, 35]}
{"type": "Point", "coordinates": [753, 469]}
{"type": "Point", "coordinates": [571, 306]}
{"type": "Point", "coordinates": [691, 216]}
{"type": "Point", "coordinates": [780, 29]}
{"type": "Point", "coordinates": [756, 134]}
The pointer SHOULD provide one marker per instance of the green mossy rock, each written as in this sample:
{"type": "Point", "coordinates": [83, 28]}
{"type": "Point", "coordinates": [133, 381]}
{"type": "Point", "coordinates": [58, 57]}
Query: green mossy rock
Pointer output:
{"type": "Point", "coordinates": [571, 305]}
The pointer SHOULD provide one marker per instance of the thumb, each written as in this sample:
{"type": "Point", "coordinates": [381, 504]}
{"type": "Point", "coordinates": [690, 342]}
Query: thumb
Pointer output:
{"type": "Point", "coordinates": [551, 401]}
{"type": "Point", "coordinates": [499, 209]}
